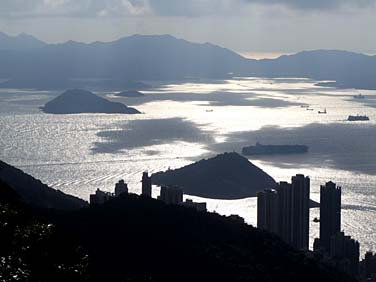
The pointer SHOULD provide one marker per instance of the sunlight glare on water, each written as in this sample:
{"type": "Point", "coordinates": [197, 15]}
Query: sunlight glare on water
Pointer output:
{"type": "Point", "coordinates": [186, 121]}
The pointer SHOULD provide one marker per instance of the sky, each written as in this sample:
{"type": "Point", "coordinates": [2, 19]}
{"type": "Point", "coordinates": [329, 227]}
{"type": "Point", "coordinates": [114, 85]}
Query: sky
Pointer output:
{"type": "Point", "coordinates": [249, 27]}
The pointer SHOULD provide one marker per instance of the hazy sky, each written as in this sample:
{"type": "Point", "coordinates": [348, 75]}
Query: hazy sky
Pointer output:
{"type": "Point", "coordinates": [265, 26]}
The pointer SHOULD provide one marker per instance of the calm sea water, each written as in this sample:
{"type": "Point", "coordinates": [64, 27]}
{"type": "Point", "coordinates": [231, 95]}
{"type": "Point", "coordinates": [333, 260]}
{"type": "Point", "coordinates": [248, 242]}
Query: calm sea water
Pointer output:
{"type": "Point", "coordinates": [186, 121]}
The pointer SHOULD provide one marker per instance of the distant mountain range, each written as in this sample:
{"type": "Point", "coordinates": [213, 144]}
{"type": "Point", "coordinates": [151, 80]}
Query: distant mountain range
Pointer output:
{"type": "Point", "coordinates": [20, 42]}
{"type": "Point", "coordinates": [30, 63]}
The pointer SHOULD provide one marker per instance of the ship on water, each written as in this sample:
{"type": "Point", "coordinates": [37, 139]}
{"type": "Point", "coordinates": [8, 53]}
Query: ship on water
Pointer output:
{"type": "Point", "coordinates": [357, 118]}
{"type": "Point", "coordinates": [359, 96]}
{"type": "Point", "coordinates": [260, 149]}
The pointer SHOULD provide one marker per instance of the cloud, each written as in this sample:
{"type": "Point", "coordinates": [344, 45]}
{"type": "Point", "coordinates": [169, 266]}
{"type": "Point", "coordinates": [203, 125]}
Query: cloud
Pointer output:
{"type": "Point", "coordinates": [316, 4]}
{"type": "Point", "coordinates": [176, 8]}
{"type": "Point", "coordinates": [72, 8]}
{"type": "Point", "coordinates": [192, 7]}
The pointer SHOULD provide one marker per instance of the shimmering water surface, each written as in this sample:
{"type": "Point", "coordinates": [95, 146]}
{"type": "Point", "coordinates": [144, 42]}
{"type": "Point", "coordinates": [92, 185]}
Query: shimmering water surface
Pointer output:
{"type": "Point", "coordinates": [185, 121]}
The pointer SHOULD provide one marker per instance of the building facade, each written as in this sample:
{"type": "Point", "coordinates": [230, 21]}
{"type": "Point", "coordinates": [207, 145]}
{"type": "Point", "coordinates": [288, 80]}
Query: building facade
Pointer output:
{"type": "Point", "coordinates": [171, 195]}
{"type": "Point", "coordinates": [369, 267]}
{"type": "Point", "coordinates": [146, 185]}
{"type": "Point", "coordinates": [330, 213]}
{"type": "Point", "coordinates": [344, 252]}
{"type": "Point", "coordinates": [100, 197]}
{"type": "Point", "coordinates": [285, 211]}
{"type": "Point", "coordinates": [267, 210]}
{"type": "Point", "coordinates": [300, 191]}
{"type": "Point", "coordinates": [201, 207]}
{"type": "Point", "coordinates": [120, 188]}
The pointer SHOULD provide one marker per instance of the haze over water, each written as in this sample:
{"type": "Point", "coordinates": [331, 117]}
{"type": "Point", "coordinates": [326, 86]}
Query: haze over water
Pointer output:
{"type": "Point", "coordinates": [186, 121]}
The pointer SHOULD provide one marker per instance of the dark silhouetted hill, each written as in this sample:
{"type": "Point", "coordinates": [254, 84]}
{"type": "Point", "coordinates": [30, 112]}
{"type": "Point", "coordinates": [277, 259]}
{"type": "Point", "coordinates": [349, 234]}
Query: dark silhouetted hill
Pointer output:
{"type": "Point", "coordinates": [81, 101]}
{"type": "Point", "coordinates": [20, 42]}
{"type": "Point", "coordinates": [226, 176]}
{"type": "Point", "coordinates": [30, 248]}
{"type": "Point", "coordinates": [34, 192]}
{"type": "Point", "coordinates": [133, 238]}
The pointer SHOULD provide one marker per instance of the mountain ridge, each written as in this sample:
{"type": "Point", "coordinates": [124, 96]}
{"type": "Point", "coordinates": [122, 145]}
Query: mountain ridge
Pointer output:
{"type": "Point", "coordinates": [169, 36]}
{"type": "Point", "coordinates": [164, 57]}
{"type": "Point", "coordinates": [21, 41]}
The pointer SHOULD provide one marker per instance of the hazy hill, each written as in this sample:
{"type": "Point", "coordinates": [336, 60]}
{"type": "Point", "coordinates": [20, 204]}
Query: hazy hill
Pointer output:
{"type": "Point", "coordinates": [347, 68]}
{"type": "Point", "coordinates": [77, 101]}
{"type": "Point", "coordinates": [20, 42]}
{"type": "Point", "coordinates": [34, 192]}
{"type": "Point", "coordinates": [226, 176]}
{"type": "Point", "coordinates": [164, 57]}
{"type": "Point", "coordinates": [136, 57]}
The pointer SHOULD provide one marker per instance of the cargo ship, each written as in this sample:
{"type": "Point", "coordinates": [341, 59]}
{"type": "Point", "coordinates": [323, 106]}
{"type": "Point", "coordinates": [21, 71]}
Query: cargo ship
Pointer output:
{"type": "Point", "coordinates": [357, 118]}
{"type": "Point", "coordinates": [260, 149]}
{"type": "Point", "coordinates": [359, 96]}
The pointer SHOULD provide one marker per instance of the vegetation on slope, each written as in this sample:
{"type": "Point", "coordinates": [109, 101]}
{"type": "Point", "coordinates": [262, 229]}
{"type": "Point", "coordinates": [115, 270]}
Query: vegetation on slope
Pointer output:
{"type": "Point", "coordinates": [30, 247]}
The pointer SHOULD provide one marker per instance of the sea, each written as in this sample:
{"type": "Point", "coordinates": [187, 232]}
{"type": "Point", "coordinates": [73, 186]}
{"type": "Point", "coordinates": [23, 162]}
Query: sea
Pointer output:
{"type": "Point", "coordinates": [185, 121]}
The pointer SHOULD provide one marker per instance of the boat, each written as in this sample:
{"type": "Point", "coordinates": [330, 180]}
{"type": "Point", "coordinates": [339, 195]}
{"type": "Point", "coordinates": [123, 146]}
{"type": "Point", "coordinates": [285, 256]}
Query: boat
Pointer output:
{"type": "Point", "coordinates": [357, 118]}
{"type": "Point", "coordinates": [359, 96]}
{"type": "Point", "coordinates": [260, 149]}
{"type": "Point", "coordinates": [304, 106]}
{"type": "Point", "coordinates": [322, 112]}
{"type": "Point", "coordinates": [309, 109]}
{"type": "Point", "coordinates": [316, 220]}
{"type": "Point", "coordinates": [209, 111]}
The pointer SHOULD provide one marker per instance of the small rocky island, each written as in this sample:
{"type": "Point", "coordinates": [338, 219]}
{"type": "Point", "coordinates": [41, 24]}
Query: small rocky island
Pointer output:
{"type": "Point", "coordinates": [226, 176]}
{"type": "Point", "coordinates": [79, 101]}
{"type": "Point", "coordinates": [130, 94]}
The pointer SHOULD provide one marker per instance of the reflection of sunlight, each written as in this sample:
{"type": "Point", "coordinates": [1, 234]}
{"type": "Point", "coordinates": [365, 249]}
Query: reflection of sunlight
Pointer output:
{"type": "Point", "coordinates": [212, 112]}
{"type": "Point", "coordinates": [237, 85]}
{"type": "Point", "coordinates": [263, 55]}
{"type": "Point", "coordinates": [188, 88]}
